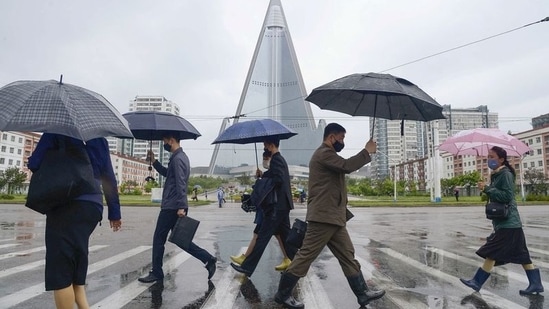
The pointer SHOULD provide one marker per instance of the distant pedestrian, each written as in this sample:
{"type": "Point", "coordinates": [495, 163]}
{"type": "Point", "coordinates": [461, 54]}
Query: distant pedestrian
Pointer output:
{"type": "Point", "coordinates": [220, 196]}
{"type": "Point", "coordinates": [456, 194]}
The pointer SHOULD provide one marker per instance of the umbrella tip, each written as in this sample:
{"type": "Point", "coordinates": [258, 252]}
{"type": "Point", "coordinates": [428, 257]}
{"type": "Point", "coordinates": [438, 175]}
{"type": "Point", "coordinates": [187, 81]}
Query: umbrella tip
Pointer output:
{"type": "Point", "coordinates": [61, 80]}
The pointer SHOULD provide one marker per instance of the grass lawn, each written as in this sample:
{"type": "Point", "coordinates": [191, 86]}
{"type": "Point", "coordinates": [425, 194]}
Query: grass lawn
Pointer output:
{"type": "Point", "coordinates": [369, 201]}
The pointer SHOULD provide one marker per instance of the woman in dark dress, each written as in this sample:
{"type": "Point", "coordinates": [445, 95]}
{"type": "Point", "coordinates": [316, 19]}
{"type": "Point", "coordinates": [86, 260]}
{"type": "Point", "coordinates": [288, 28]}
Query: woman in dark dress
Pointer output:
{"type": "Point", "coordinates": [507, 244]}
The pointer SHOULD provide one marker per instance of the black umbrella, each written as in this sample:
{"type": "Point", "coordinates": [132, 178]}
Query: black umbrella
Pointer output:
{"type": "Point", "coordinates": [376, 95]}
{"type": "Point", "coordinates": [153, 125]}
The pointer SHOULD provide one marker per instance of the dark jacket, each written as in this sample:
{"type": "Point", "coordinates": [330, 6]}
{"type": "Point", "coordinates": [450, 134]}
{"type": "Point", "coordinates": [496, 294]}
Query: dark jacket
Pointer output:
{"type": "Point", "coordinates": [278, 172]}
{"type": "Point", "coordinates": [263, 194]}
{"type": "Point", "coordinates": [98, 151]}
{"type": "Point", "coordinates": [174, 195]}
{"type": "Point", "coordinates": [502, 190]}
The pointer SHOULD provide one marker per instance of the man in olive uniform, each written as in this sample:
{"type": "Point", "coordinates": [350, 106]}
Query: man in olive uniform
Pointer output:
{"type": "Point", "coordinates": [326, 217]}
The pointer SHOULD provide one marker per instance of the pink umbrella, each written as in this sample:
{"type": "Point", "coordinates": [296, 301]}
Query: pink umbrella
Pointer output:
{"type": "Point", "coordinates": [477, 142]}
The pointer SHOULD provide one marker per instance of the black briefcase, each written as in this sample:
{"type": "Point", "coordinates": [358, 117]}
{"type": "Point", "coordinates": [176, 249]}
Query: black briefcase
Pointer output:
{"type": "Point", "coordinates": [183, 232]}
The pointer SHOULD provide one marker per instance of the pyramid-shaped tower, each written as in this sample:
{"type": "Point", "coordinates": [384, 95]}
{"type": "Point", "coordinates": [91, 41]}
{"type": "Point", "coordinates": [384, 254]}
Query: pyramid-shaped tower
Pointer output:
{"type": "Point", "coordinates": [273, 89]}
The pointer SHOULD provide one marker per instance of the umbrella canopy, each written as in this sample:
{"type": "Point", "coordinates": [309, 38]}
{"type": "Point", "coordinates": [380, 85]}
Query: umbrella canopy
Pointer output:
{"type": "Point", "coordinates": [477, 142]}
{"type": "Point", "coordinates": [56, 107]}
{"type": "Point", "coordinates": [153, 125]}
{"type": "Point", "coordinates": [254, 131]}
{"type": "Point", "coordinates": [376, 95]}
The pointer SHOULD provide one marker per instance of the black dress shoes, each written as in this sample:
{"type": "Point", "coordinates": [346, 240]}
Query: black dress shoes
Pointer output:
{"type": "Point", "coordinates": [239, 269]}
{"type": "Point", "coordinates": [149, 278]}
{"type": "Point", "coordinates": [210, 266]}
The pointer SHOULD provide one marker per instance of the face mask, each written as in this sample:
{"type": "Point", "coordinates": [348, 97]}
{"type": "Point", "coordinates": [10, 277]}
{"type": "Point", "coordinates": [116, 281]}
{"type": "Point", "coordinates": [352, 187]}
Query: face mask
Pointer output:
{"type": "Point", "coordinates": [492, 164]}
{"type": "Point", "coordinates": [266, 164]}
{"type": "Point", "coordinates": [267, 152]}
{"type": "Point", "coordinates": [338, 146]}
{"type": "Point", "coordinates": [168, 147]}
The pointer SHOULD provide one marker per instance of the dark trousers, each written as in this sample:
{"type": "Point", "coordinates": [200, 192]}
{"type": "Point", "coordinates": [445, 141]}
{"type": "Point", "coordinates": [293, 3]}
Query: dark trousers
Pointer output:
{"type": "Point", "coordinates": [273, 223]}
{"type": "Point", "coordinates": [165, 223]}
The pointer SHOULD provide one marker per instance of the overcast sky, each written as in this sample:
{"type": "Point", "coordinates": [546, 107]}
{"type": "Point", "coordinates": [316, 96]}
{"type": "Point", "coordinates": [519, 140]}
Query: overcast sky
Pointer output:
{"type": "Point", "coordinates": [197, 53]}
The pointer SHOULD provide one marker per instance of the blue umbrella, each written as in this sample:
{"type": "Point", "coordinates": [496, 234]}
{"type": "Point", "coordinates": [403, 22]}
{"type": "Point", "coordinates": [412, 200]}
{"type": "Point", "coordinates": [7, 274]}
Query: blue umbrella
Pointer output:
{"type": "Point", "coordinates": [254, 131]}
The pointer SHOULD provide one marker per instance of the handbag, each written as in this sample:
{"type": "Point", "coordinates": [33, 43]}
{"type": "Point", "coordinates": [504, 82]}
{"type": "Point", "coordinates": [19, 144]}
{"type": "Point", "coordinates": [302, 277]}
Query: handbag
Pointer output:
{"type": "Point", "coordinates": [64, 173]}
{"type": "Point", "coordinates": [183, 232]}
{"type": "Point", "coordinates": [247, 205]}
{"type": "Point", "coordinates": [495, 210]}
{"type": "Point", "coordinates": [295, 237]}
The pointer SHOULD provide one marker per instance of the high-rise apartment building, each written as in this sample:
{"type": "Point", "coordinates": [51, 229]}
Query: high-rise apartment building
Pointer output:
{"type": "Point", "coordinates": [400, 142]}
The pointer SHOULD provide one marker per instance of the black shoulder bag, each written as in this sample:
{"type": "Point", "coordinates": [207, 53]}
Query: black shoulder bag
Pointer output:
{"type": "Point", "coordinates": [495, 210]}
{"type": "Point", "coordinates": [64, 173]}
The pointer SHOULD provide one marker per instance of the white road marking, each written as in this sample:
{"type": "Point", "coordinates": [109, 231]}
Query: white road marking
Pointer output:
{"type": "Point", "coordinates": [449, 278]}
{"type": "Point", "coordinates": [35, 290]}
{"type": "Point", "coordinates": [20, 253]}
{"type": "Point", "coordinates": [126, 294]}
{"type": "Point", "coordinates": [8, 246]}
{"type": "Point", "coordinates": [29, 266]}
{"type": "Point", "coordinates": [226, 290]}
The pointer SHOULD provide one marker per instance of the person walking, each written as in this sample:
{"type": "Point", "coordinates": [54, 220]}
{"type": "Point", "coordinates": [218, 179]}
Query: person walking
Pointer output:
{"type": "Point", "coordinates": [68, 228]}
{"type": "Point", "coordinates": [239, 259]}
{"type": "Point", "coordinates": [220, 196]}
{"type": "Point", "coordinates": [456, 193]}
{"type": "Point", "coordinates": [174, 205]}
{"type": "Point", "coordinates": [326, 217]}
{"type": "Point", "coordinates": [507, 244]}
{"type": "Point", "coordinates": [276, 220]}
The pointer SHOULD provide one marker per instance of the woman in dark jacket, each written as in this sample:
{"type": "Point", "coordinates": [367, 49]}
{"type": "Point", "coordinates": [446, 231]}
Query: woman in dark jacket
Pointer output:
{"type": "Point", "coordinates": [507, 244]}
{"type": "Point", "coordinates": [68, 228]}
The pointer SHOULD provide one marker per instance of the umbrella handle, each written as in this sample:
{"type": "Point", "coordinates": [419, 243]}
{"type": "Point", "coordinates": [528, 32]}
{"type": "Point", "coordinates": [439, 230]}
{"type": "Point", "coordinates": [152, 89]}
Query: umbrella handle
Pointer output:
{"type": "Point", "coordinates": [256, 160]}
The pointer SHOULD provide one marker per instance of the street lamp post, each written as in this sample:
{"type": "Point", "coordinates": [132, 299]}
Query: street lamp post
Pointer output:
{"type": "Point", "coordinates": [395, 184]}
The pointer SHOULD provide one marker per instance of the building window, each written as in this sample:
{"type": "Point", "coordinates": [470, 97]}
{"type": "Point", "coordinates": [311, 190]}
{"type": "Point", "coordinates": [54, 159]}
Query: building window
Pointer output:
{"type": "Point", "coordinates": [539, 151]}
{"type": "Point", "coordinates": [540, 163]}
{"type": "Point", "coordinates": [525, 165]}
{"type": "Point", "coordinates": [19, 151]}
{"type": "Point", "coordinates": [530, 141]}
{"type": "Point", "coordinates": [532, 164]}
{"type": "Point", "coordinates": [13, 138]}
{"type": "Point", "coordinates": [18, 162]}
{"type": "Point", "coordinates": [11, 149]}
{"type": "Point", "coordinates": [20, 140]}
{"type": "Point", "coordinates": [2, 160]}
{"type": "Point", "coordinates": [3, 148]}
{"type": "Point", "coordinates": [10, 162]}
{"type": "Point", "coordinates": [538, 139]}
{"type": "Point", "coordinates": [5, 136]}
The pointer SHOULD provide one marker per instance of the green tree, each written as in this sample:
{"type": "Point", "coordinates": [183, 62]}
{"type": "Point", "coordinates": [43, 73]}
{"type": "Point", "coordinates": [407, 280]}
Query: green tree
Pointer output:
{"type": "Point", "coordinates": [149, 185]}
{"type": "Point", "coordinates": [536, 181]}
{"type": "Point", "coordinates": [245, 179]}
{"type": "Point", "coordinates": [13, 178]}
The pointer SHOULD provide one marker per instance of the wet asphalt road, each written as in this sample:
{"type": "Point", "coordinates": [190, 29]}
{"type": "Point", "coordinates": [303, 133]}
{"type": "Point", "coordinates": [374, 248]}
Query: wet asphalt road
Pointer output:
{"type": "Point", "coordinates": [415, 254]}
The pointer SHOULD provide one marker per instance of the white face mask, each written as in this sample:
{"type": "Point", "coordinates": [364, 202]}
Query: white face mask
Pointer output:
{"type": "Point", "coordinates": [266, 164]}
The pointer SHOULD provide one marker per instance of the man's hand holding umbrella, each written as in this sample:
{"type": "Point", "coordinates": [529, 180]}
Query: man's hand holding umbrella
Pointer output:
{"type": "Point", "coordinates": [371, 146]}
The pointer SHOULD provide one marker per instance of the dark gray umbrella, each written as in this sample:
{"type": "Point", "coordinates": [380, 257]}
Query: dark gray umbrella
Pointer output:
{"type": "Point", "coordinates": [376, 95]}
{"type": "Point", "coordinates": [153, 125]}
{"type": "Point", "coordinates": [55, 107]}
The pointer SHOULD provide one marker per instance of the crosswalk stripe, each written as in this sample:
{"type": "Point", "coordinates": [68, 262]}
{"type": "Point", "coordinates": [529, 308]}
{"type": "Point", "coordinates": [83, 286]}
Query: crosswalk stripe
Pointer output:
{"type": "Point", "coordinates": [7, 239]}
{"type": "Point", "coordinates": [226, 290]}
{"type": "Point", "coordinates": [449, 278]}
{"type": "Point", "coordinates": [506, 273]}
{"type": "Point", "coordinates": [35, 290]}
{"type": "Point", "coordinates": [21, 253]}
{"type": "Point", "coordinates": [536, 263]}
{"type": "Point", "coordinates": [126, 294]}
{"type": "Point", "coordinates": [7, 246]}
{"type": "Point", "coordinates": [312, 292]}
{"type": "Point", "coordinates": [29, 266]}
{"type": "Point", "coordinates": [385, 283]}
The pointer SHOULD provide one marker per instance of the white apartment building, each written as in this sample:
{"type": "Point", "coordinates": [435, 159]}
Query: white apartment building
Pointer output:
{"type": "Point", "coordinates": [12, 145]}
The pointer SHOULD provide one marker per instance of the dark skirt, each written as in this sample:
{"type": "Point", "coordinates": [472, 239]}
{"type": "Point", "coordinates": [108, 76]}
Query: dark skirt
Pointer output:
{"type": "Point", "coordinates": [506, 246]}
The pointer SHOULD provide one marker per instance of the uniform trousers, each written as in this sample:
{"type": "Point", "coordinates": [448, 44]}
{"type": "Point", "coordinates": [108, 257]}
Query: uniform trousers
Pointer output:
{"type": "Point", "coordinates": [318, 236]}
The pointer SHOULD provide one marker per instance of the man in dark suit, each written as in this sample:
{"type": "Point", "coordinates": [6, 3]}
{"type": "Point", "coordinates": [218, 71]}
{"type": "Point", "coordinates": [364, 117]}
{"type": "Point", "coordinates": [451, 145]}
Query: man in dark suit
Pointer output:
{"type": "Point", "coordinates": [276, 220]}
